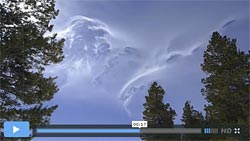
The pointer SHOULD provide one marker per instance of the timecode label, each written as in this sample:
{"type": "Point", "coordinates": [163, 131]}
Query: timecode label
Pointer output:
{"type": "Point", "coordinates": [140, 124]}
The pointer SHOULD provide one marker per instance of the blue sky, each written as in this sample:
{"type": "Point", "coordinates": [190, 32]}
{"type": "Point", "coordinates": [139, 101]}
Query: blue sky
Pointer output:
{"type": "Point", "coordinates": [114, 50]}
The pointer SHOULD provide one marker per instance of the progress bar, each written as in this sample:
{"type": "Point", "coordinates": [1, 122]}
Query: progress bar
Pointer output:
{"type": "Point", "coordinates": [109, 131]}
{"type": "Point", "coordinates": [92, 131]}
{"type": "Point", "coordinates": [171, 131]}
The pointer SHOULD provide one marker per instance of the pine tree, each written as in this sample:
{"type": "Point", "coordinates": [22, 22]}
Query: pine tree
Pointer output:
{"type": "Point", "coordinates": [24, 52]}
{"type": "Point", "coordinates": [158, 114]}
{"type": "Point", "coordinates": [191, 117]}
{"type": "Point", "coordinates": [227, 82]}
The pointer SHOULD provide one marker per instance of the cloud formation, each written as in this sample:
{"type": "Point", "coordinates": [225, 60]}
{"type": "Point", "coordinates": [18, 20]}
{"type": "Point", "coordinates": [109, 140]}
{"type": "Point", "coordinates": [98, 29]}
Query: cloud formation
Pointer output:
{"type": "Point", "coordinates": [93, 68]}
{"type": "Point", "coordinates": [96, 68]}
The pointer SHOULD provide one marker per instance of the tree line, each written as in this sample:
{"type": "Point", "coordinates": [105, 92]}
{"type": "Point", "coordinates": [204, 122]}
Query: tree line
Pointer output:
{"type": "Point", "coordinates": [226, 90]}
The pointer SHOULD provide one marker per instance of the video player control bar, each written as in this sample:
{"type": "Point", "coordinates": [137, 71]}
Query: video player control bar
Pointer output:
{"type": "Point", "coordinates": [13, 129]}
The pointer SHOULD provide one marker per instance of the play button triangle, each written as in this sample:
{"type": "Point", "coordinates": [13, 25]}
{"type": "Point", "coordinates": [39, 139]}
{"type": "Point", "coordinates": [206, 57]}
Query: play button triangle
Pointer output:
{"type": "Point", "coordinates": [15, 129]}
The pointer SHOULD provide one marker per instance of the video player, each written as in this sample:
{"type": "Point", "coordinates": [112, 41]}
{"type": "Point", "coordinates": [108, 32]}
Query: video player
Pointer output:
{"type": "Point", "coordinates": [144, 70]}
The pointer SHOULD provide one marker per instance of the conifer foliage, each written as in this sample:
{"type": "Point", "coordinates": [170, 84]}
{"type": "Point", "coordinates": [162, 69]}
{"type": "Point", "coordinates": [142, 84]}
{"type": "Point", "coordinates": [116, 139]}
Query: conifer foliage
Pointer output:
{"type": "Point", "coordinates": [25, 50]}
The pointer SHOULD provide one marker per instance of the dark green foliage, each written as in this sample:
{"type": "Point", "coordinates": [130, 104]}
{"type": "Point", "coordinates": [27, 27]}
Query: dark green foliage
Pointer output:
{"type": "Point", "coordinates": [191, 117]}
{"type": "Point", "coordinates": [227, 82]}
{"type": "Point", "coordinates": [158, 114]}
{"type": "Point", "coordinates": [227, 85]}
{"type": "Point", "coordinates": [24, 52]}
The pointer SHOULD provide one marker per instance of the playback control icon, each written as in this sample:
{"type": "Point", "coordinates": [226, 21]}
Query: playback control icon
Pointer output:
{"type": "Point", "coordinates": [211, 131]}
{"type": "Point", "coordinates": [207, 131]}
{"type": "Point", "coordinates": [14, 129]}
{"type": "Point", "coordinates": [236, 130]}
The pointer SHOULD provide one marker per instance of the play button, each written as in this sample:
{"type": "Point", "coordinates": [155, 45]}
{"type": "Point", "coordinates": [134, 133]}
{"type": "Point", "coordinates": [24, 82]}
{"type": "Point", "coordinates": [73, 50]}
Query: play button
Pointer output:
{"type": "Point", "coordinates": [15, 129]}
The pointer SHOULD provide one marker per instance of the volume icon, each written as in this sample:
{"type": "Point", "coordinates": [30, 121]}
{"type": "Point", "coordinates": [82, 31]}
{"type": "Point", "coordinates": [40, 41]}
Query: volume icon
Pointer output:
{"type": "Point", "coordinates": [207, 130]}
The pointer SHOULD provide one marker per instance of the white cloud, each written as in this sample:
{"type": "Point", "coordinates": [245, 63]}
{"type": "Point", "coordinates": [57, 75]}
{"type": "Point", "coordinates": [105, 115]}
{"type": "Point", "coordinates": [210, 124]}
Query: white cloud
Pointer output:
{"type": "Point", "coordinates": [95, 66]}
{"type": "Point", "coordinates": [168, 58]}
{"type": "Point", "coordinates": [91, 60]}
